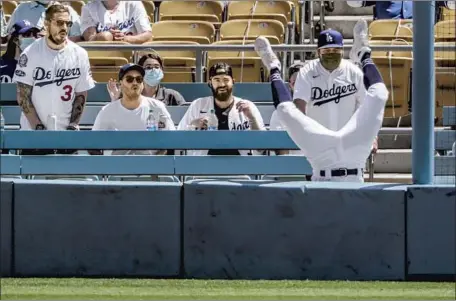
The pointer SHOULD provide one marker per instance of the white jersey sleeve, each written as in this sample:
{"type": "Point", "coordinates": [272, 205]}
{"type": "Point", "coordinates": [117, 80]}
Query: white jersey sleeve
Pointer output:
{"type": "Point", "coordinates": [26, 66]}
{"type": "Point", "coordinates": [87, 20]}
{"type": "Point", "coordinates": [303, 86]}
{"type": "Point", "coordinates": [257, 115]}
{"type": "Point", "coordinates": [361, 94]}
{"type": "Point", "coordinates": [86, 81]}
{"type": "Point", "coordinates": [3, 24]}
{"type": "Point", "coordinates": [189, 116]}
{"type": "Point", "coordinates": [142, 22]}
{"type": "Point", "coordinates": [102, 122]}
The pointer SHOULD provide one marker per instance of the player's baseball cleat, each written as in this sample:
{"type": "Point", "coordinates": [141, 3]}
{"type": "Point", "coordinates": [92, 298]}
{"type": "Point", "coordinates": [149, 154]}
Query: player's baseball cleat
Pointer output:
{"type": "Point", "coordinates": [268, 57]}
{"type": "Point", "coordinates": [360, 41]}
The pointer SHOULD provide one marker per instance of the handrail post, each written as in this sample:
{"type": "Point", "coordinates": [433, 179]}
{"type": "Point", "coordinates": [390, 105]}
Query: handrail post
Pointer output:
{"type": "Point", "coordinates": [423, 91]}
{"type": "Point", "coordinates": [302, 22]}
{"type": "Point", "coordinates": [199, 66]}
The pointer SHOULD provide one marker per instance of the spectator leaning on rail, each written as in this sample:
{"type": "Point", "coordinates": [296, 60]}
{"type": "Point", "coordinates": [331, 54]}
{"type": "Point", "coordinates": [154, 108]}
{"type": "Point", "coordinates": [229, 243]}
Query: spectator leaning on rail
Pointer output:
{"type": "Point", "coordinates": [274, 124]}
{"type": "Point", "coordinates": [22, 36]}
{"type": "Point", "coordinates": [153, 65]}
{"type": "Point", "coordinates": [131, 112]}
{"type": "Point", "coordinates": [116, 21]}
{"type": "Point", "coordinates": [34, 12]}
{"type": "Point", "coordinates": [397, 9]}
{"type": "Point", "coordinates": [53, 76]}
{"type": "Point", "coordinates": [229, 112]}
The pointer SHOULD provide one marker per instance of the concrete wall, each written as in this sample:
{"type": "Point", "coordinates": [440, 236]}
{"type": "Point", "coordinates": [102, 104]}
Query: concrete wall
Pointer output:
{"type": "Point", "coordinates": [293, 231]}
{"type": "Point", "coordinates": [66, 229]}
{"type": "Point", "coordinates": [296, 230]}
{"type": "Point", "coordinates": [431, 238]}
{"type": "Point", "coordinates": [6, 251]}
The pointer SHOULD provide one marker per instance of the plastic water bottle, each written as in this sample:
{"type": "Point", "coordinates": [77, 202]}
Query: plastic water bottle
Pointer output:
{"type": "Point", "coordinates": [2, 121]}
{"type": "Point", "coordinates": [162, 122]}
{"type": "Point", "coordinates": [212, 122]}
{"type": "Point", "coordinates": [52, 122]}
{"type": "Point", "coordinates": [152, 122]}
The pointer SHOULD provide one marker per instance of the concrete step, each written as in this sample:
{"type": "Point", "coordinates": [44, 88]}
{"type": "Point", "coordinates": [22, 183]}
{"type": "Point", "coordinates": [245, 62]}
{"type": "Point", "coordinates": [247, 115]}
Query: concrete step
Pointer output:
{"type": "Point", "coordinates": [393, 161]}
{"type": "Point", "coordinates": [343, 24]}
{"type": "Point", "coordinates": [403, 141]}
{"type": "Point", "coordinates": [341, 8]}
{"type": "Point", "coordinates": [399, 178]}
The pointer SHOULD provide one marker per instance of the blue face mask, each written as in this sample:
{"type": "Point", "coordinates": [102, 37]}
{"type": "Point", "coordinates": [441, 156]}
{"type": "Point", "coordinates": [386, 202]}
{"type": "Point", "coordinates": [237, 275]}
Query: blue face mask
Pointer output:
{"type": "Point", "coordinates": [153, 77]}
{"type": "Point", "coordinates": [25, 42]}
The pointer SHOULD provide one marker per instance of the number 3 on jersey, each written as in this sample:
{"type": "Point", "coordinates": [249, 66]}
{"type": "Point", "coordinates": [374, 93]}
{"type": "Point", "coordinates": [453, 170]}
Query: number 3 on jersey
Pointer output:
{"type": "Point", "coordinates": [68, 92]}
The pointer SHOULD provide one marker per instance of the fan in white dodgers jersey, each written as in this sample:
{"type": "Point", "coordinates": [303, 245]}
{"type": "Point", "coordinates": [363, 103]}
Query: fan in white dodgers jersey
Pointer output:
{"type": "Point", "coordinates": [53, 76]}
{"type": "Point", "coordinates": [113, 20]}
{"type": "Point", "coordinates": [334, 155]}
{"type": "Point", "coordinates": [330, 88]}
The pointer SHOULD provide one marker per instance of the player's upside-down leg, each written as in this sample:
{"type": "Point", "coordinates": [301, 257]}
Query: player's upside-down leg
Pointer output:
{"type": "Point", "coordinates": [327, 150]}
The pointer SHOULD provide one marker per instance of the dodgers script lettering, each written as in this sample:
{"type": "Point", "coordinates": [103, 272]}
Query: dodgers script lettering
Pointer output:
{"type": "Point", "coordinates": [61, 76]}
{"type": "Point", "coordinates": [336, 93]}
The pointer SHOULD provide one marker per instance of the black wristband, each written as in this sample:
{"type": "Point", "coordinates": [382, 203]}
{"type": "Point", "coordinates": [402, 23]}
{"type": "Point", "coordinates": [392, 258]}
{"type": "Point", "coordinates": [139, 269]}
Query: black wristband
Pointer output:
{"type": "Point", "coordinates": [72, 128]}
{"type": "Point", "coordinates": [40, 127]}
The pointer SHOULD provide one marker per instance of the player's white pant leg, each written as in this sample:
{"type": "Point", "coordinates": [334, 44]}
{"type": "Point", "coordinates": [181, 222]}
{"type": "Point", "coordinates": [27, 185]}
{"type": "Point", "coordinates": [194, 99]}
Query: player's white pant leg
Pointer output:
{"type": "Point", "coordinates": [360, 131]}
{"type": "Point", "coordinates": [309, 135]}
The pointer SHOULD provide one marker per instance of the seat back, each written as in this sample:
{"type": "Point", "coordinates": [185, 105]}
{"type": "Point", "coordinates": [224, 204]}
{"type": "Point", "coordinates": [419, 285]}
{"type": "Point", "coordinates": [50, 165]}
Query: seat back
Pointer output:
{"type": "Point", "coordinates": [197, 31]}
{"type": "Point", "coordinates": [211, 11]}
{"type": "Point", "coordinates": [391, 30]}
{"type": "Point", "coordinates": [238, 29]}
{"type": "Point", "coordinates": [448, 14]}
{"type": "Point", "coordinates": [445, 31]}
{"type": "Point", "coordinates": [9, 7]}
{"type": "Point", "coordinates": [274, 10]}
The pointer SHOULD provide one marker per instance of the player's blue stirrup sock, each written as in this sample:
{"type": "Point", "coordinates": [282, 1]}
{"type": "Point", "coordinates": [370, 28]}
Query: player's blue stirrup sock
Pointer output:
{"type": "Point", "coordinates": [371, 73]}
{"type": "Point", "coordinates": [280, 91]}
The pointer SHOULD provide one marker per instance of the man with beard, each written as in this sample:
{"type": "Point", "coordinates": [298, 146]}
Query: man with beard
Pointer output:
{"type": "Point", "coordinates": [232, 113]}
{"type": "Point", "coordinates": [35, 13]}
{"type": "Point", "coordinates": [131, 111]}
{"type": "Point", "coordinates": [53, 76]}
{"type": "Point", "coordinates": [330, 88]}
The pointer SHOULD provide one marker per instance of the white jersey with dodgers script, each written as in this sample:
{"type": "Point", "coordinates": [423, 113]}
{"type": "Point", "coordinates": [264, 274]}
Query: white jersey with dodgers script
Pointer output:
{"type": "Point", "coordinates": [332, 97]}
{"type": "Point", "coordinates": [128, 17]}
{"type": "Point", "coordinates": [55, 77]}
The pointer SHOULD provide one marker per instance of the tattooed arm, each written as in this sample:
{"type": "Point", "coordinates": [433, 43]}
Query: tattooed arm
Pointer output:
{"type": "Point", "coordinates": [24, 99]}
{"type": "Point", "coordinates": [78, 108]}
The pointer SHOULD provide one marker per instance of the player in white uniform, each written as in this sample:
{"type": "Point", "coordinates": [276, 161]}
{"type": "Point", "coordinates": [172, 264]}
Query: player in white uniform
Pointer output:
{"type": "Point", "coordinates": [332, 151]}
{"type": "Point", "coordinates": [131, 112]}
{"type": "Point", "coordinates": [53, 76]}
{"type": "Point", "coordinates": [233, 113]}
{"type": "Point", "coordinates": [116, 21]}
{"type": "Point", "coordinates": [34, 12]}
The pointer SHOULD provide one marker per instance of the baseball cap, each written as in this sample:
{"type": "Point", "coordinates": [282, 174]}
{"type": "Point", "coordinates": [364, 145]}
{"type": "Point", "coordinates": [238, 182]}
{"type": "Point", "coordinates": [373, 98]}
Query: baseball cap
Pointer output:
{"type": "Point", "coordinates": [220, 69]}
{"type": "Point", "coordinates": [330, 38]}
{"type": "Point", "coordinates": [23, 26]}
{"type": "Point", "coordinates": [128, 67]}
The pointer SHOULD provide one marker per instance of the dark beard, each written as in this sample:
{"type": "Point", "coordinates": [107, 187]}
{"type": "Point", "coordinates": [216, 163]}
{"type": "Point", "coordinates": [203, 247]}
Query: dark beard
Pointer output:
{"type": "Point", "coordinates": [222, 96]}
{"type": "Point", "coordinates": [51, 38]}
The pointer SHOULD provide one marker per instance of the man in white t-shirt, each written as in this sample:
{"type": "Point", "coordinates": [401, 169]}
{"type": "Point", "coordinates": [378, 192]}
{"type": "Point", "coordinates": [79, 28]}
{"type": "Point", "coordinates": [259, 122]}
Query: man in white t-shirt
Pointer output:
{"type": "Point", "coordinates": [53, 76]}
{"type": "Point", "coordinates": [335, 155]}
{"type": "Point", "coordinates": [34, 12]}
{"type": "Point", "coordinates": [131, 112]}
{"type": "Point", "coordinates": [116, 21]}
{"type": "Point", "coordinates": [230, 113]}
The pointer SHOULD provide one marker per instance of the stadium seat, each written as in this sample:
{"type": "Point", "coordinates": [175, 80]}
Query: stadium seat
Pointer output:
{"type": "Point", "coordinates": [395, 67]}
{"type": "Point", "coordinates": [448, 14]}
{"type": "Point", "coordinates": [150, 9]}
{"type": "Point", "coordinates": [391, 30]}
{"type": "Point", "coordinates": [105, 63]}
{"type": "Point", "coordinates": [249, 62]}
{"type": "Point", "coordinates": [273, 30]}
{"type": "Point", "coordinates": [179, 65]}
{"type": "Point", "coordinates": [9, 7]}
{"type": "Point", "coordinates": [201, 32]}
{"type": "Point", "coordinates": [210, 11]}
{"type": "Point", "coordinates": [445, 31]}
{"type": "Point", "coordinates": [270, 10]}
{"type": "Point", "coordinates": [445, 81]}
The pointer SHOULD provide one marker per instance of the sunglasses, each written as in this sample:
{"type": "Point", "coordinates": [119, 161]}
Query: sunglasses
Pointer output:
{"type": "Point", "coordinates": [60, 23]}
{"type": "Point", "coordinates": [130, 79]}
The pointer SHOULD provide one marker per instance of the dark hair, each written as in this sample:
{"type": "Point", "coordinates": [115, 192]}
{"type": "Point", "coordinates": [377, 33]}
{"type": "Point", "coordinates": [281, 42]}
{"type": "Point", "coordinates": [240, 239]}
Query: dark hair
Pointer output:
{"type": "Point", "coordinates": [154, 56]}
{"type": "Point", "coordinates": [11, 47]}
{"type": "Point", "coordinates": [55, 8]}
